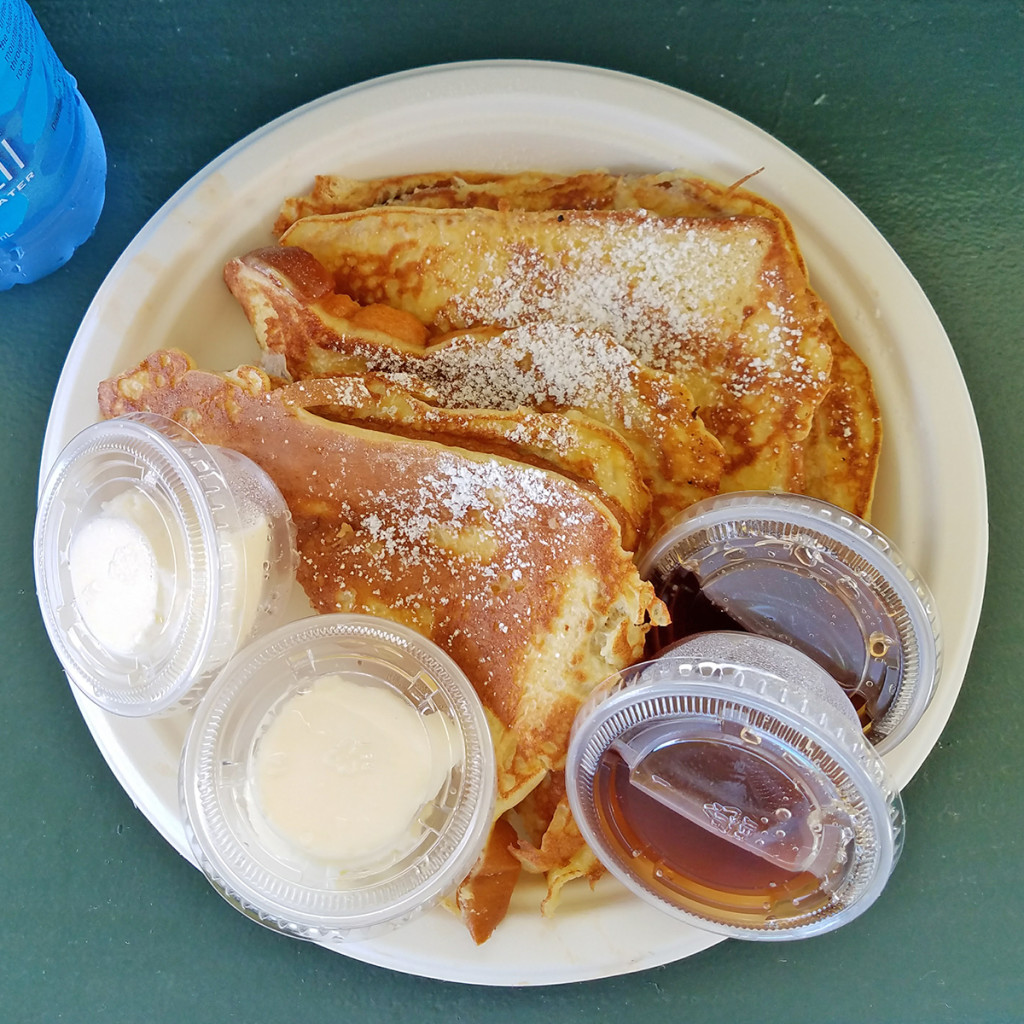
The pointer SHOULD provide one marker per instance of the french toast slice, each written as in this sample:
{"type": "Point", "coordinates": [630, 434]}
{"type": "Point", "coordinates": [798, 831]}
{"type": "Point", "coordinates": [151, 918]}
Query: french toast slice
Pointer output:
{"type": "Point", "coordinates": [552, 843]}
{"type": "Point", "coordinates": [516, 571]}
{"type": "Point", "coordinates": [297, 319]}
{"type": "Point", "coordinates": [576, 446]}
{"type": "Point", "coordinates": [841, 452]}
{"type": "Point", "coordinates": [718, 301]}
{"type": "Point", "coordinates": [668, 194]}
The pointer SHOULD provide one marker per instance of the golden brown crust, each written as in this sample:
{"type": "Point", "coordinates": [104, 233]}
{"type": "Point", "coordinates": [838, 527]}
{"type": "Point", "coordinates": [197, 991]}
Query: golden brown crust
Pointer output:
{"type": "Point", "coordinates": [515, 571]}
{"type": "Point", "coordinates": [540, 366]}
{"type": "Point", "coordinates": [718, 302]}
{"type": "Point", "coordinates": [589, 190]}
{"type": "Point", "coordinates": [842, 451]}
{"type": "Point", "coordinates": [483, 898]}
{"type": "Point", "coordinates": [839, 459]}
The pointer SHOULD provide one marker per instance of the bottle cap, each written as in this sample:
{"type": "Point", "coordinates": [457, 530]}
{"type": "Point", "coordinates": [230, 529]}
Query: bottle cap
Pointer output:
{"type": "Point", "coordinates": [728, 783]}
{"type": "Point", "coordinates": [327, 870]}
{"type": "Point", "coordinates": [156, 558]}
{"type": "Point", "coordinates": [806, 572]}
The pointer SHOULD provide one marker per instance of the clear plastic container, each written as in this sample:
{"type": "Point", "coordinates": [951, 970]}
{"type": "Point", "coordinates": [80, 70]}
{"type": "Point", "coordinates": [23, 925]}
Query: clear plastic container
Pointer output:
{"type": "Point", "coordinates": [156, 558]}
{"type": "Point", "coordinates": [338, 778]}
{"type": "Point", "coordinates": [808, 573]}
{"type": "Point", "coordinates": [53, 163]}
{"type": "Point", "coordinates": [728, 783]}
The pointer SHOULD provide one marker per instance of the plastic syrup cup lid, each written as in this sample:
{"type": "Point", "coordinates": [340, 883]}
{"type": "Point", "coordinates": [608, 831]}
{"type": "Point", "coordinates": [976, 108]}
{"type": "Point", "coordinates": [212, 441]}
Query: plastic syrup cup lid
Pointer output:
{"type": "Point", "coordinates": [308, 818]}
{"type": "Point", "coordinates": [156, 558]}
{"type": "Point", "coordinates": [728, 783]}
{"type": "Point", "coordinates": [821, 579]}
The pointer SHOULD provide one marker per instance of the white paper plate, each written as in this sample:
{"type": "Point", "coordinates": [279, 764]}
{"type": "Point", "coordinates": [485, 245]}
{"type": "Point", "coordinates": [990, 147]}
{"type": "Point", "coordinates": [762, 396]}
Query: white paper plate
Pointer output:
{"type": "Point", "coordinates": [166, 290]}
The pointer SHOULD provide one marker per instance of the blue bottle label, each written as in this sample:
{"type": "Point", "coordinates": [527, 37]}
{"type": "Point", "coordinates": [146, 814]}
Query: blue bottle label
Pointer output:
{"type": "Point", "coordinates": [52, 161]}
{"type": "Point", "coordinates": [37, 116]}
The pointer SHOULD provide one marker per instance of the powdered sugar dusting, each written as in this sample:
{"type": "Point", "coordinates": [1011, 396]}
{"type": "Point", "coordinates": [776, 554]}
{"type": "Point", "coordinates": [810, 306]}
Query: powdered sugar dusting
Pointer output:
{"type": "Point", "coordinates": [646, 281]}
{"type": "Point", "coordinates": [544, 364]}
{"type": "Point", "coordinates": [487, 517]}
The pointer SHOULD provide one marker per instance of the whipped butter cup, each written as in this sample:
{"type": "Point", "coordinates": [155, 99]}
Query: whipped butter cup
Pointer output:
{"type": "Point", "coordinates": [808, 573]}
{"type": "Point", "coordinates": [273, 796]}
{"type": "Point", "coordinates": [156, 558]}
{"type": "Point", "coordinates": [727, 782]}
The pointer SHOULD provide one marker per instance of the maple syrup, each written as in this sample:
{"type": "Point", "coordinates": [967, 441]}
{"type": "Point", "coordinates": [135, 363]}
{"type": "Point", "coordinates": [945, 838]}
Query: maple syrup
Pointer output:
{"type": "Point", "coordinates": [826, 624]}
{"type": "Point", "coordinates": [728, 783]}
{"type": "Point", "coordinates": [726, 786]}
{"type": "Point", "coordinates": [807, 573]}
{"type": "Point", "coordinates": [694, 866]}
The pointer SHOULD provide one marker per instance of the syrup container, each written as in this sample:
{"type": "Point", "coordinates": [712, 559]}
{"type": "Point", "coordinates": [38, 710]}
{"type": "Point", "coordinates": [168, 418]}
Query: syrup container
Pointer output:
{"type": "Point", "coordinates": [818, 578]}
{"type": "Point", "coordinates": [728, 782]}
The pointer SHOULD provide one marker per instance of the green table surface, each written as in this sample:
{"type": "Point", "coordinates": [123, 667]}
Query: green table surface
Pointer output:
{"type": "Point", "coordinates": [916, 111]}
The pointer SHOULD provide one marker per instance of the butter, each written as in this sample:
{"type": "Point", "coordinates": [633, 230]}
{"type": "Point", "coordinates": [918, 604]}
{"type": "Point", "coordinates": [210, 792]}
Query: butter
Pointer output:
{"type": "Point", "coordinates": [157, 559]}
{"type": "Point", "coordinates": [338, 777]}
{"type": "Point", "coordinates": [344, 770]}
{"type": "Point", "coordinates": [249, 549]}
{"type": "Point", "coordinates": [122, 565]}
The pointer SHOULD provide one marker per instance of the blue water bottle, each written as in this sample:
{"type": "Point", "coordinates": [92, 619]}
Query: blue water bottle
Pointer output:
{"type": "Point", "coordinates": [53, 166]}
